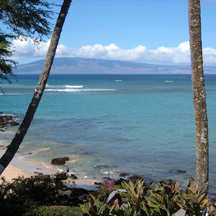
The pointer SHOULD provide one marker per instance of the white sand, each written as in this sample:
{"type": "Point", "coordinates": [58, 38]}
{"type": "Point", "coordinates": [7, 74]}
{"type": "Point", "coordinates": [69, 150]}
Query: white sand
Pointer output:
{"type": "Point", "coordinates": [13, 172]}
{"type": "Point", "coordinates": [26, 168]}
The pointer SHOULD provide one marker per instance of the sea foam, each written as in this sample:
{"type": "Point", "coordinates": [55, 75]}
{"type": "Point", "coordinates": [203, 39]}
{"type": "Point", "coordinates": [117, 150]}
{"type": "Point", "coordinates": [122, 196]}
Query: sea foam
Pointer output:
{"type": "Point", "coordinates": [78, 90]}
{"type": "Point", "coordinates": [64, 86]}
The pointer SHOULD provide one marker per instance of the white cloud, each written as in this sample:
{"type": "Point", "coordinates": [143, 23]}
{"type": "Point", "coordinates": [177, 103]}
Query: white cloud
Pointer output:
{"type": "Point", "coordinates": [26, 48]}
{"type": "Point", "coordinates": [27, 51]}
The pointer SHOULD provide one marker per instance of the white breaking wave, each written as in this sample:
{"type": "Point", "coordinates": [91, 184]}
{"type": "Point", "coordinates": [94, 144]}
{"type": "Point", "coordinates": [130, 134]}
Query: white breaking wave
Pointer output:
{"type": "Point", "coordinates": [39, 150]}
{"type": "Point", "coordinates": [64, 86]}
{"type": "Point", "coordinates": [78, 90]}
{"type": "Point", "coordinates": [74, 86]}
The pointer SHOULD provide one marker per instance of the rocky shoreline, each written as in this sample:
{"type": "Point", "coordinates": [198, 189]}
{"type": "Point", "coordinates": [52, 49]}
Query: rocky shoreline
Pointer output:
{"type": "Point", "coordinates": [72, 193]}
{"type": "Point", "coordinates": [7, 120]}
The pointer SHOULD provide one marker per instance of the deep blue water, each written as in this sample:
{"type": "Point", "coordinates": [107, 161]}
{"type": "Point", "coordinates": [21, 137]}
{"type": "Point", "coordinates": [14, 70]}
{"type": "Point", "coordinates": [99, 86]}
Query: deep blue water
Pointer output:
{"type": "Point", "coordinates": [107, 124]}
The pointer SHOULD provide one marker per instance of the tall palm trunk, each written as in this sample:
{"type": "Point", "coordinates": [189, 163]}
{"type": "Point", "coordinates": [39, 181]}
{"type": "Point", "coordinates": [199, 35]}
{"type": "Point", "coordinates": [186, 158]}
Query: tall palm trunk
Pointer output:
{"type": "Point", "coordinates": [199, 96]}
{"type": "Point", "coordinates": [19, 136]}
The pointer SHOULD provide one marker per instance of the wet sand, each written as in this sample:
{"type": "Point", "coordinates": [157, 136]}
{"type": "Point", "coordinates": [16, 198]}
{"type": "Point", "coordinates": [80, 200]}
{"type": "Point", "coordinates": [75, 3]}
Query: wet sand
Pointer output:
{"type": "Point", "coordinates": [12, 172]}
{"type": "Point", "coordinates": [26, 168]}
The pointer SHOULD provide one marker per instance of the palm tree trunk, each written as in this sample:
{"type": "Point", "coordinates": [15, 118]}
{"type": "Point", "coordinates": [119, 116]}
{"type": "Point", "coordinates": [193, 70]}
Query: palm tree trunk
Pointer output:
{"type": "Point", "coordinates": [199, 96]}
{"type": "Point", "coordinates": [19, 136]}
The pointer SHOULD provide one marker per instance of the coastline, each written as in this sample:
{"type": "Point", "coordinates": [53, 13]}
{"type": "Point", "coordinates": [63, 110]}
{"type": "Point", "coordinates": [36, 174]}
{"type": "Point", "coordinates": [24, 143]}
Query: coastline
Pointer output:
{"type": "Point", "coordinates": [26, 168]}
{"type": "Point", "coordinates": [19, 167]}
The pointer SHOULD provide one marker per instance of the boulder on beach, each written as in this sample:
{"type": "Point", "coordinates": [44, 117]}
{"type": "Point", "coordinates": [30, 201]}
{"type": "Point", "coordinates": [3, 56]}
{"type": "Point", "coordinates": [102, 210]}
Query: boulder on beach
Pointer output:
{"type": "Point", "coordinates": [59, 161]}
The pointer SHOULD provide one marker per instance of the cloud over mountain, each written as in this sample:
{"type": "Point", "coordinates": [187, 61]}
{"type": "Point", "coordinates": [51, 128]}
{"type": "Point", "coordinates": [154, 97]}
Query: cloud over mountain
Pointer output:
{"type": "Point", "coordinates": [162, 55]}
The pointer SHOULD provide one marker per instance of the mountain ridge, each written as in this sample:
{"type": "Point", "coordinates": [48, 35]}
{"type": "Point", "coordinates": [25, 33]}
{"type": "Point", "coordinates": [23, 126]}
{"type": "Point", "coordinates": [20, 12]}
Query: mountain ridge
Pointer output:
{"type": "Point", "coordinates": [72, 65]}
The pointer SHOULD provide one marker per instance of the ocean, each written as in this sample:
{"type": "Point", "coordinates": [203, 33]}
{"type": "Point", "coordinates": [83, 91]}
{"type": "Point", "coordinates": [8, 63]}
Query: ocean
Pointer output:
{"type": "Point", "coordinates": [108, 124]}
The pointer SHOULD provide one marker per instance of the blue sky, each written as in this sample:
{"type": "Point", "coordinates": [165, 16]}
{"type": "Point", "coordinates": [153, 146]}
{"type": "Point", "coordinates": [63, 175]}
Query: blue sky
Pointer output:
{"type": "Point", "coordinates": [150, 31]}
{"type": "Point", "coordinates": [127, 23]}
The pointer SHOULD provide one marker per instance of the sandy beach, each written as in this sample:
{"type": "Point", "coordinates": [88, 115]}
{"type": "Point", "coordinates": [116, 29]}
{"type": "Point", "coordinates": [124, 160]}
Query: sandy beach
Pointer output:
{"type": "Point", "coordinates": [26, 168]}
{"type": "Point", "coordinates": [12, 172]}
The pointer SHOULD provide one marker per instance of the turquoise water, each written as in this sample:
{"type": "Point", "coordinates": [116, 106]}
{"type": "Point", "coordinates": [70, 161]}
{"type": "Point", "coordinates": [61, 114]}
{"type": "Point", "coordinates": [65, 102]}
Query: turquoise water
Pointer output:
{"type": "Point", "coordinates": [108, 124]}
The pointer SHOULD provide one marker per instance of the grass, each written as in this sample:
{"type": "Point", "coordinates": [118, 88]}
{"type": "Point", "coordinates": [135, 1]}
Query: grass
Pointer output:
{"type": "Point", "coordinates": [54, 210]}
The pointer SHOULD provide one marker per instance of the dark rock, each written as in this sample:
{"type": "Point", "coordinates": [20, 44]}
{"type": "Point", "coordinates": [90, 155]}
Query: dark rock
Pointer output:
{"type": "Point", "coordinates": [98, 183]}
{"type": "Point", "coordinates": [181, 171]}
{"type": "Point", "coordinates": [6, 120]}
{"type": "Point", "coordinates": [73, 176]}
{"type": "Point", "coordinates": [59, 161]}
{"type": "Point", "coordinates": [2, 125]}
{"type": "Point", "coordinates": [123, 174]}
{"type": "Point", "coordinates": [178, 171]}
{"type": "Point", "coordinates": [13, 123]}
{"type": "Point", "coordinates": [66, 158]}
{"type": "Point", "coordinates": [9, 117]}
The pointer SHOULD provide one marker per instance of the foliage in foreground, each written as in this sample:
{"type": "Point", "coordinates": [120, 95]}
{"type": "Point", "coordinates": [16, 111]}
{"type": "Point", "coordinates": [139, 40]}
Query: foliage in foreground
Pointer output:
{"type": "Point", "coordinates": [39, 196]}
{"type": "Point", "coordinates": [54, 210]}
{"type": "Point", "coordinates": [23, 194]}
{"type": "Point", "coordinates": [21, 19]}
{"type": "Point", "coordinates": [152, 200]}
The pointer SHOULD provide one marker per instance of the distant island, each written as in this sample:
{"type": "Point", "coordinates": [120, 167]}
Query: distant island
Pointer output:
{"type": "Point", "coordinates": [98, 66]}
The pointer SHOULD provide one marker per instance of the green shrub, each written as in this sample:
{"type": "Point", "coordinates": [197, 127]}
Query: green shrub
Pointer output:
{"type": "Point", "coordinates": [136, 196]}
{"type": "Point", "coordinates": [37, 196]}
{"type": "Point", "coordinates": [162, 199]}
{"type": "Point", "coordinates": [192, 200]}
{"type": "Point", "coordinates": [105, 189]}
{"type": "Point", "coordinates": [23, 194]}
{"type": "Point", "coordinates": [41, 190]}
